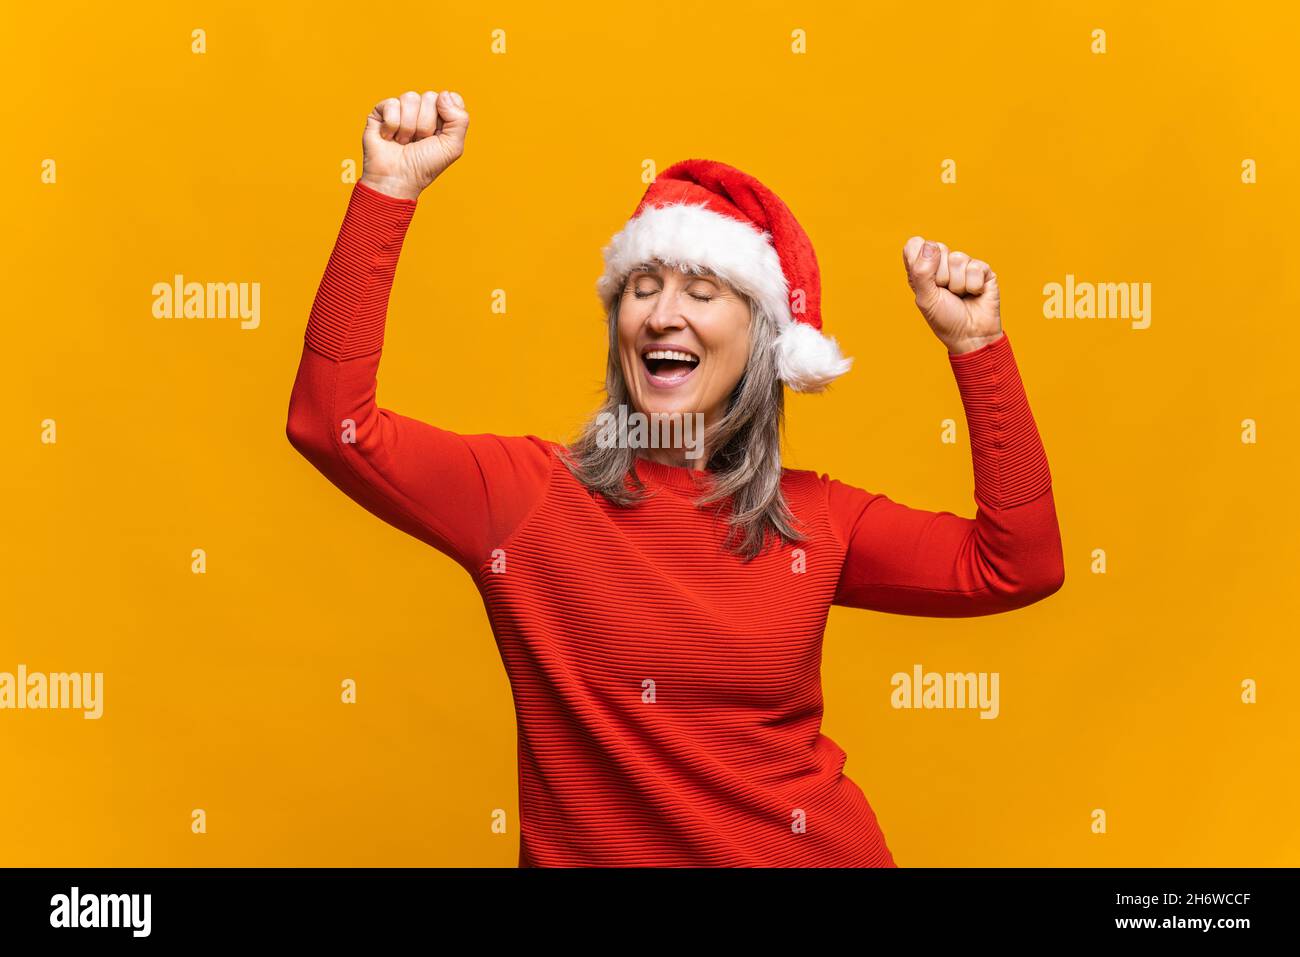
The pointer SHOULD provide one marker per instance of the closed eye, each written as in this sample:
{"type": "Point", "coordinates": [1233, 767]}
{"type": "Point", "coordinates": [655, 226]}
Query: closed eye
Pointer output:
{"type": "Point", "coordinates": [646, 295]}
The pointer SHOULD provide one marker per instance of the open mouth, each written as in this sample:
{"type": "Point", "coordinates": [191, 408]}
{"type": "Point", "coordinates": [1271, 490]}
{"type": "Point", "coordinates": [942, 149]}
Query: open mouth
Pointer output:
{"type": "Point", "coordinates": [669, 367]}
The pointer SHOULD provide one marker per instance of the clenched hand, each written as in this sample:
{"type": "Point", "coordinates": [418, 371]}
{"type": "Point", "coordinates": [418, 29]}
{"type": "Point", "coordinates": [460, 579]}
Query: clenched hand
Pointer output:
{"type": "Point", "coordinates": [957, 295]}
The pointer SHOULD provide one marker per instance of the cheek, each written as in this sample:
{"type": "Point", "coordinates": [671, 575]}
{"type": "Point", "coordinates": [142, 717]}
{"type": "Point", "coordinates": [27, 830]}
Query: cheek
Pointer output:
{"type": "Point", "coordinates": [736, 362]}
{"type": "Point", "coordinates": [626, 340]}
{"type": "Point", "coordinates": [733, 350]}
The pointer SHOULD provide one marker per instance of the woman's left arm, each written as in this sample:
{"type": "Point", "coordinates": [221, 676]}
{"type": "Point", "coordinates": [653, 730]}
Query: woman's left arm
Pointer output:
{"type": "Point", "coordinates": [915, 562]}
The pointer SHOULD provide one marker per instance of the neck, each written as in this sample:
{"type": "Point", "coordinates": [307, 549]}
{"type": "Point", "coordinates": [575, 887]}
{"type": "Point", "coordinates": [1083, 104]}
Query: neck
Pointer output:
{"type": "Point", "coordinates": [694, 452]}
{"type": "Point", "coordinates": [676, 457]}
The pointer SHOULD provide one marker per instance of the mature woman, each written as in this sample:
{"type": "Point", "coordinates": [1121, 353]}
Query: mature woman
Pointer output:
{"type": "Point", "coordinates": [660, 610]}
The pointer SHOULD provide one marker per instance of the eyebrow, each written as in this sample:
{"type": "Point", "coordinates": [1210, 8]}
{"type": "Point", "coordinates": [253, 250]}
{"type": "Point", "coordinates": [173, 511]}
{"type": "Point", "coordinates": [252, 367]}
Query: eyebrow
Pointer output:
{"type": "Point", "coordinates": [653, 268]}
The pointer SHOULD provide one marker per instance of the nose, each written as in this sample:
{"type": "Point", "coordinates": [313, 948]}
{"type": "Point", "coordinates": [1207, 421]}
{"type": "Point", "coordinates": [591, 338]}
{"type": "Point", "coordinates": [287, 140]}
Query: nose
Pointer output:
{"type": "Point", "coordinates": [667, 312]}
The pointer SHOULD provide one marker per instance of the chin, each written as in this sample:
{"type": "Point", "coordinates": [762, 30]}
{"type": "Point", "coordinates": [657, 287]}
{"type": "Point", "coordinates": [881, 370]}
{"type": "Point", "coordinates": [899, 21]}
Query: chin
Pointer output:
{"type": "Point", "coordinates": [682, 406]}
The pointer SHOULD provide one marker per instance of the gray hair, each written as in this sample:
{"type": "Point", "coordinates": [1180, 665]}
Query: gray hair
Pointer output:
{"type": "Point", "coordinates": [743, 447]}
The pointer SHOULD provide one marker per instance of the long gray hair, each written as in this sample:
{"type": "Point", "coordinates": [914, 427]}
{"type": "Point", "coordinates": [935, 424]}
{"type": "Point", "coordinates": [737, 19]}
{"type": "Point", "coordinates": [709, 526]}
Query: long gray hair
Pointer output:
{"type": "Point", "coordinates": [743, 447]}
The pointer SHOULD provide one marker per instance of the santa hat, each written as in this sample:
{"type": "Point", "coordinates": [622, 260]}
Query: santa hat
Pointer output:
{"type": "Point", "coordinates": [702, 213]}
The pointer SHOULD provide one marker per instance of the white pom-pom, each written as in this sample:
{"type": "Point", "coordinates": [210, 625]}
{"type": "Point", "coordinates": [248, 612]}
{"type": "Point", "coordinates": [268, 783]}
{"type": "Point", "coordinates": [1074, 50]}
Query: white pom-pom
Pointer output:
{"type": "Point", "coordinates": [806, 360]}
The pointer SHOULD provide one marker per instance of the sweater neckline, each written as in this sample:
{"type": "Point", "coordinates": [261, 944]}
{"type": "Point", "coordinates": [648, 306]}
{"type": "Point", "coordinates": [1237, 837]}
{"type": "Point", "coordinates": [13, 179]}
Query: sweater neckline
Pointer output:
{"type": "Point", "coordinates": [677, 476]}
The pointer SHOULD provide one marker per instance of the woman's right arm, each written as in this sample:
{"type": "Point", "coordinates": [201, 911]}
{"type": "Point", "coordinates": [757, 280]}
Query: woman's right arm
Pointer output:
{"type": "Point", "coordinates": [461, 494]}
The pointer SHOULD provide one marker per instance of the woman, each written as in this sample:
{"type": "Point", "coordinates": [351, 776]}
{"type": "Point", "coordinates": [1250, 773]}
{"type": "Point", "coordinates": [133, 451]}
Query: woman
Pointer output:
{"type": "Point", "coordinates": [660, 613]}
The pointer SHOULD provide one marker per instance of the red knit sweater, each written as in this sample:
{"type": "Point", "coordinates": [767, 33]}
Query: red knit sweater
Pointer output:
{"type": "Point", "coordinates": [667, 695]}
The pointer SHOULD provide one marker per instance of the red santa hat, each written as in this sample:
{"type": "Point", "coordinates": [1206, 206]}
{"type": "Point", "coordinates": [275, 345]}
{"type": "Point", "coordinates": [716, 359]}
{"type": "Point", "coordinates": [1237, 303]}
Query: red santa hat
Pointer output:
{"type": "Point", "coordinates": [708, 214]}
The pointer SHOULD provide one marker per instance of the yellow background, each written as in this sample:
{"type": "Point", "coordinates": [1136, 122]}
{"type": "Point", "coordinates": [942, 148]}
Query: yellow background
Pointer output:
{"type": "Point", "coordinates": [1121, 692]}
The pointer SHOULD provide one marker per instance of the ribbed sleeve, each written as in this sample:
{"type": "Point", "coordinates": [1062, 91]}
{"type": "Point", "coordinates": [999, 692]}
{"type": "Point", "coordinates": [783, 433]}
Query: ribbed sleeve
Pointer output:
{"type": "Point", "coordinates": [462, 494]}
{"type": "Point", "coordinates": [1006, 450]}
{"type": "Point", "coordinates": [347, 318]}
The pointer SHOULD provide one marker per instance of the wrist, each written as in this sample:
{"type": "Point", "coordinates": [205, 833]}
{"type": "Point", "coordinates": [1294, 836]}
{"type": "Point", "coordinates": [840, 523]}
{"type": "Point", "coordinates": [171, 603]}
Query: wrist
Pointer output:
{"type": "Point", "coordinates": [391, 187]}
{"type": "Point", "coordinates": [971, 344]}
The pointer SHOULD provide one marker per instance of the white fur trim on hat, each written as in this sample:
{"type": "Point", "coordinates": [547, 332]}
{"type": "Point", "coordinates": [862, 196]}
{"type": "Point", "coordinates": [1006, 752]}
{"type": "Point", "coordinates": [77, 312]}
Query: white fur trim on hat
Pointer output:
{"type": "Point", "coordinates": [807, 360]}
{"type": "Point", "coordinates": [740, 255]}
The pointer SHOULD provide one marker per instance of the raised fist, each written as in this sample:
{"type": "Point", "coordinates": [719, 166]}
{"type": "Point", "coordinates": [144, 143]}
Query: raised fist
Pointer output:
{"type": "Point", "coordinates": [957, 295]}
{"type": "Point", "coordinates": [409, 140]}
